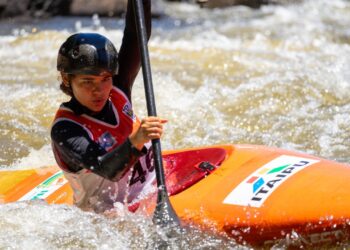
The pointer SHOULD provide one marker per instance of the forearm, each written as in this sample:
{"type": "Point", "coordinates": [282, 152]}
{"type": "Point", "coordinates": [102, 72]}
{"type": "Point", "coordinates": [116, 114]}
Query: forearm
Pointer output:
{"type": "Point", "coordinates": [130, 19]}
{"type": "Point", "coordinates": [115, 163]}
{"type": "Point", "coordinates": [110, 165]}
{"type": "Point", "coordinates": [129, 54]}
{"type": "Point", "coordinates": [78, 151]}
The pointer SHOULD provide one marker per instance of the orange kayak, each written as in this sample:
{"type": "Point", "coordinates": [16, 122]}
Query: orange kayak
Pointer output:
{"type": "Point", "coordinates": [255, 194]}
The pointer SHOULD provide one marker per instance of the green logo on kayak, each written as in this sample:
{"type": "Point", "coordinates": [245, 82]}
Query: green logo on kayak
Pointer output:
{"type": "Point", "coordinates": [258, 186]}
{"type": "Point", "coordinates": [47, 187]}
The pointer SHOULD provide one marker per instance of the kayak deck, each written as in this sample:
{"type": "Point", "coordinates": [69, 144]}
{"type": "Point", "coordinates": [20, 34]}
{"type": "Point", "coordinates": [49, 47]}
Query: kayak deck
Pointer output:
{"type": "Point", "coordinates": [255, 194]}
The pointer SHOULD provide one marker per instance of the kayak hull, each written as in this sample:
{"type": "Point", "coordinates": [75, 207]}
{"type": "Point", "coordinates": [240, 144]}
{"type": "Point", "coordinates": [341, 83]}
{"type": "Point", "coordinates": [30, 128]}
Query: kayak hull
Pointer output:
{"type": "Point", "coordinates": [312, 202]}
{"type": "Point", "coordinates": [255, 194]}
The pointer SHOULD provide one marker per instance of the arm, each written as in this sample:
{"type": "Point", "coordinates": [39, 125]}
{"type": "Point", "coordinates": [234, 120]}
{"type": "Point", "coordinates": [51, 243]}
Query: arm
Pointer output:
{"type": "Point", "coordinates": [129, 58]}
{"type": "Point", "coordinates": [79, 151]}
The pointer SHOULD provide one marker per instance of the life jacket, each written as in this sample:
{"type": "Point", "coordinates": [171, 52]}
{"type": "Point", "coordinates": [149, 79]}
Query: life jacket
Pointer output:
{"type": "Point", "coordinates": [91, 191]}
{"type": "Point", "coordinates": [106, 135]}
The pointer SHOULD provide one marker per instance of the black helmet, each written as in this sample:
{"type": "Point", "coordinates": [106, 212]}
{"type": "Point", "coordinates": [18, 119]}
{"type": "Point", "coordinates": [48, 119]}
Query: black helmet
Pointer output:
{"type": "Point", "coordinates": [87, 53]}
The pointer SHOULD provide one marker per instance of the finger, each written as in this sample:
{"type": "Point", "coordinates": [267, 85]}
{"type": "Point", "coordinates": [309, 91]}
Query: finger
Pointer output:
{"type": "Point", "coordinates": [154, 129]}
{"type": "Point", "coordinates": [154, 119]}
{"type": "Point", "coordinates": [154, 136]}
{"type": "Point", "coordinates": [152, 124]}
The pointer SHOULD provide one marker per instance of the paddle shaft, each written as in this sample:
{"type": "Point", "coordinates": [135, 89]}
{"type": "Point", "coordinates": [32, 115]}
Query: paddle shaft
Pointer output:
{"type": "Point", "coordinates": [164, 213]}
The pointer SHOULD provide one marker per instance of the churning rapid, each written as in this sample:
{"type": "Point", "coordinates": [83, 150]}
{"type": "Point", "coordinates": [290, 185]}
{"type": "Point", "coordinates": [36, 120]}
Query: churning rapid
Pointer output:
{"type": "Point", "coordinates": [277, 76]}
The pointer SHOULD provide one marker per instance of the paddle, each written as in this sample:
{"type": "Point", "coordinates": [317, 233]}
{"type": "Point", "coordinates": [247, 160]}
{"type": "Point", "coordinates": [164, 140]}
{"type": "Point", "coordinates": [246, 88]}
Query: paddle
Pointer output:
{"type": "Point", "coordinates": [164, 213]}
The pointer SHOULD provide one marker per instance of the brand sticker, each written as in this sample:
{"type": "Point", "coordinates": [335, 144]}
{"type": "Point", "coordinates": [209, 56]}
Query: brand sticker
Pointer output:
{"type": "Point", "coordinates": [258, 186]}
{"type": "Point", "coordinates": [127, 109]}
{"type": "Point", "coordinates": [47, 187]}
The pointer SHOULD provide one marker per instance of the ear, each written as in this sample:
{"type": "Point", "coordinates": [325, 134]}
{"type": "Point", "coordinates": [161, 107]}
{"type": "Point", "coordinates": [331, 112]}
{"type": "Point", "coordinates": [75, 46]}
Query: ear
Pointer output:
{"type": "Point", "coordinates": [65, 79]}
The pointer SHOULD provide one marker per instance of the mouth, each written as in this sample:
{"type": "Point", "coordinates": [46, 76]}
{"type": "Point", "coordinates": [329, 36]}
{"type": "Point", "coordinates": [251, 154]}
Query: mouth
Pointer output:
{"type": "Point", "coordinates": [98, 102]}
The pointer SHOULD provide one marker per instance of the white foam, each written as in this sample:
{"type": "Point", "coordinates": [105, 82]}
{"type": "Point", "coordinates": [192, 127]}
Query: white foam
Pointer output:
{"type": "Point", "coordinates": [35, 159]}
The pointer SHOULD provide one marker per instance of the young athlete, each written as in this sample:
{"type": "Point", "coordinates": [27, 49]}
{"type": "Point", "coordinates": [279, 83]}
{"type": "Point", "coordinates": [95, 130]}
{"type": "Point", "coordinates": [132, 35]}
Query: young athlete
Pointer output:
{"type": "Point", "coordinates": [97, 140]}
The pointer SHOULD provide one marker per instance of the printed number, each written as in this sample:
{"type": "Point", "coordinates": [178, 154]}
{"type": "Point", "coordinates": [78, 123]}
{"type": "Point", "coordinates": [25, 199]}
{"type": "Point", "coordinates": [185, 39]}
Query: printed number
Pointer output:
{"type": "Point", "coordinates": [150, 161]}
{"type": "Point", "coordinates": [138, 173]}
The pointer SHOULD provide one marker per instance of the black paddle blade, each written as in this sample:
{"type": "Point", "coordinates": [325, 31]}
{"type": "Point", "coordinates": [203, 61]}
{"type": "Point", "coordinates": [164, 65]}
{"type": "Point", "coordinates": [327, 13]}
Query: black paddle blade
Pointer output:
{"type": "Point", "coordinates": [164, 214]}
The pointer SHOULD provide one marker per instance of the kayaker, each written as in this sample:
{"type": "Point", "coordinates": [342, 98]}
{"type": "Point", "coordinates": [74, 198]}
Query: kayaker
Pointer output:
{"type": "Point", "coordinates": [98, 142]}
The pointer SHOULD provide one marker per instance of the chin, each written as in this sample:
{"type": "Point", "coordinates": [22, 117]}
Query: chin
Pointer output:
{"type": "Point", "coordinates": [97, 109]}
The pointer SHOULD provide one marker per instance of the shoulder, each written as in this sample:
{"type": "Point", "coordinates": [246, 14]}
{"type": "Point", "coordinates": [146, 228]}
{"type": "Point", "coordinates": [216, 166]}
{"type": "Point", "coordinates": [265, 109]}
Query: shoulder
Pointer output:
{"type": "Point", "coordinates": [64, 128]}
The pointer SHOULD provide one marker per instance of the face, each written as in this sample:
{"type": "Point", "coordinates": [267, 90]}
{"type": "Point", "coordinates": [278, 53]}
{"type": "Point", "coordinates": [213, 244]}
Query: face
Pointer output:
{"type": "Point", "coordinates": [92, 91]}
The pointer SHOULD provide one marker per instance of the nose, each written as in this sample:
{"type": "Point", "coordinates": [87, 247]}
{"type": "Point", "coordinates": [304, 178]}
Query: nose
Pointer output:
{"type": "Point", "coordinates": [97, 87]}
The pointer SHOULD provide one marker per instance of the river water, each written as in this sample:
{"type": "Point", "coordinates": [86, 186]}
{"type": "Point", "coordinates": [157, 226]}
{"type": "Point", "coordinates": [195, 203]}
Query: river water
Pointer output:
{"type": "Point", "coordinates": [277, 76]}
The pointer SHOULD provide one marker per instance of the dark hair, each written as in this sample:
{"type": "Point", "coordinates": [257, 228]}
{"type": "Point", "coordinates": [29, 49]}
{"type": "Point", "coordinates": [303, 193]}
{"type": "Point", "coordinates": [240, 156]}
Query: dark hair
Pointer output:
{"type": "Point", "coordinates": [67, 89]}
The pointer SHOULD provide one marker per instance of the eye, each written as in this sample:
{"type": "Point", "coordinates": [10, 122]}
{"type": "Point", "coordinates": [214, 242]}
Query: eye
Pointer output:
{"type": "Point", "coordinates": [87, 82]}
{"type": "Point", "coordinates": [106, 79]}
